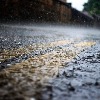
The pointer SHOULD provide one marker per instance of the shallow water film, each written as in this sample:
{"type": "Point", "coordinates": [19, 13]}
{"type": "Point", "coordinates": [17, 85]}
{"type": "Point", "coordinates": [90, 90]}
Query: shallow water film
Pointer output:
{"type": "Point", "coordinates": [49, 62]}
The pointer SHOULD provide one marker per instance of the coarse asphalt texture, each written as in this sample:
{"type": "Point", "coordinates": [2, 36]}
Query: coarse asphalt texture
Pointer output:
{"type": "Point", "coordinates": [49, 62]}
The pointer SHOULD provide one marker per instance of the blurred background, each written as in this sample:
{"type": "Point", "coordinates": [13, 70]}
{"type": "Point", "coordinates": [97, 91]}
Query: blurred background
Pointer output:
{"type": "Point", "coordinates": [85, 12]}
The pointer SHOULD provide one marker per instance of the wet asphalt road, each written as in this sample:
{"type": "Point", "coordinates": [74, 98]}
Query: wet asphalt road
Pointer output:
{"type": "Point", "coordinates": [48, 62]}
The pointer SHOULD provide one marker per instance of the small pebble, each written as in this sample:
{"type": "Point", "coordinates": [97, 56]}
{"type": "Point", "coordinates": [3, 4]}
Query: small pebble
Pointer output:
{"type": "Point", "coordinates": [96, 83]}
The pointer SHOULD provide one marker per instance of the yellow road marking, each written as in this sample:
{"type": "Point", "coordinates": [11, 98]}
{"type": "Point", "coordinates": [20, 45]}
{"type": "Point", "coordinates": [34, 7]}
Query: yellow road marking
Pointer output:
{"type": "Point", "coordinates": [7, 54]}
{"type": "Point", "coordinates": [42, 67]}
{"type": "Point", "coordinates": [85, 44]}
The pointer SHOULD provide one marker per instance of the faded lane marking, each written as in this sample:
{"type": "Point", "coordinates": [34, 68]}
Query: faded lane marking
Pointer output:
{"type": "Point", "coordinates": [85, 44]}
{"type": "Point", "coordinates": [40, 68]}
{"type": "Point", "coordinates": [8, 54]}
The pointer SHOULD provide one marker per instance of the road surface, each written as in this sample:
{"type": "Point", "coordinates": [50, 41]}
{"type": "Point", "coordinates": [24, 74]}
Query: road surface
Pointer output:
{"type": "Point", "coordinates": [49, 62]}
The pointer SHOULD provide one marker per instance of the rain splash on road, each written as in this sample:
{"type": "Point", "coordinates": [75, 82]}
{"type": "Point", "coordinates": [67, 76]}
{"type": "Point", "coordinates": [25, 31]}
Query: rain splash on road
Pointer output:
{"type": "Point", "coordinates": [49, 62]}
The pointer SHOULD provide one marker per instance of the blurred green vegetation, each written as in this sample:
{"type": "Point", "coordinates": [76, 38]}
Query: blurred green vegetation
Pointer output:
{"type": "Point", "coordinates": [92, 6]}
